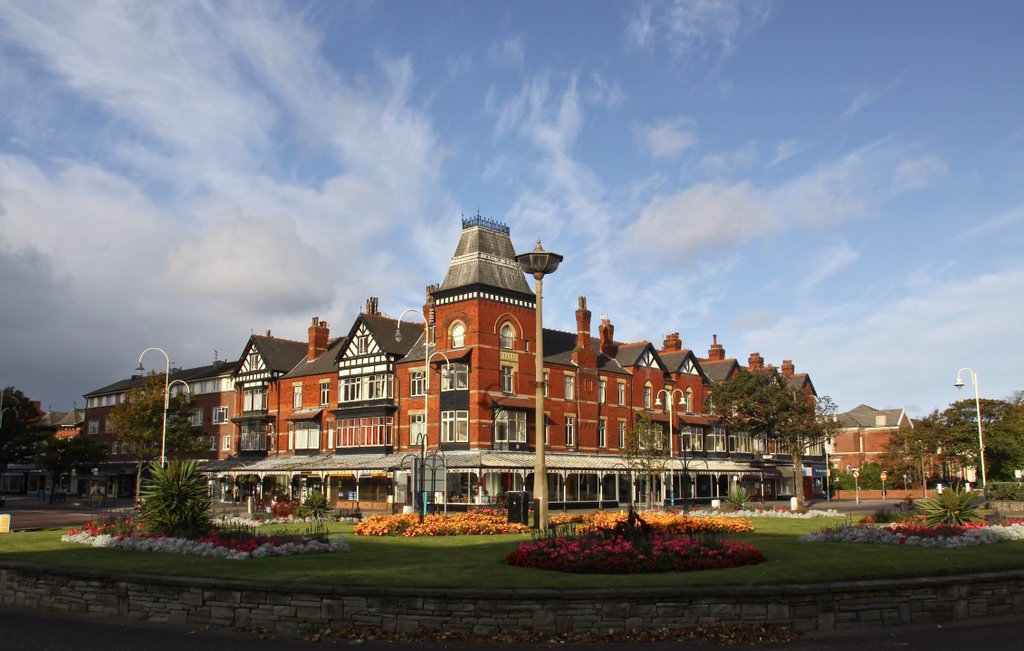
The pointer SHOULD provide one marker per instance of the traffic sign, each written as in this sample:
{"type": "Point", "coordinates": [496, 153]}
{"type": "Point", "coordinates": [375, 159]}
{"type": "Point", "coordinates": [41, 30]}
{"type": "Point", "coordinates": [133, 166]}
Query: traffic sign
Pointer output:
{"type": "Point", "coordinates": [884, 475]}
{"type": "Point", "coordinates": [856, 473]}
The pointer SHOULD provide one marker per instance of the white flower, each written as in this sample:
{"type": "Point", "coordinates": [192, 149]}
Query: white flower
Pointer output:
{"type": "Point", "coordinates": [185, 546]}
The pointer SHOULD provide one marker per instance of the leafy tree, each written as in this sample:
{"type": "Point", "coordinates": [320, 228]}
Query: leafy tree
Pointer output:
{"type": "Point", "coordinates": [646, 452]}
{"type": "Point", "coordinates": [138, 421]}
{"type": "Point", "coordinates": [20, 429]}
{"type": "Point", "coordinates": [762, 403]}
{"type": "Point", "coordinates": [59, 455]}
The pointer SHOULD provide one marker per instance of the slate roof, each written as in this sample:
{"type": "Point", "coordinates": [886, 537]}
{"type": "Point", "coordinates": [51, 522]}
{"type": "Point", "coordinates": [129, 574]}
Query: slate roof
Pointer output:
{"type": "Point", "coordinates": [216, 369]}
{"type": "Point", "coordinates": [485, 256]}
{"type": "Point", "coordinates": [863, 416]}
{"type": "Point", "coordinates": [325, 362]}
{"type": "Point", "coordinates": [718, 370]}
{"type": "Point", "coordinates": [279, 355]}
{"type": "Point", "coordinates": [383, 330]}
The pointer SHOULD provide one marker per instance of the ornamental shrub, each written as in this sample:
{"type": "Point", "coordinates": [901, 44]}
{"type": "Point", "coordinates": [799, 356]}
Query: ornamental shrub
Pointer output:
{"type": "Point", "coordinates": [1005, 490]}
{"type": "Point", "coordinates": [952, 507]}
{"type": "Point", "coordinates": [175, 501]}
{"type": "Point", "coordinates": [738, 497]}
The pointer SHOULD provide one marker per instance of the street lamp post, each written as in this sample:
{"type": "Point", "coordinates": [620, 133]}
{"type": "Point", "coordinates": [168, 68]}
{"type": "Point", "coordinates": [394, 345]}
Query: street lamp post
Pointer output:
{"type": "Point", "coordinates": [669, 394]}
{"type": "Point", "coordinates": [959, 384]}
{"type": "Point", "coordinates": [423, 440]}
{"type": "Point", "coordinates": [538, 263]}
{"type": "Point", "coordinates": [167, 377]}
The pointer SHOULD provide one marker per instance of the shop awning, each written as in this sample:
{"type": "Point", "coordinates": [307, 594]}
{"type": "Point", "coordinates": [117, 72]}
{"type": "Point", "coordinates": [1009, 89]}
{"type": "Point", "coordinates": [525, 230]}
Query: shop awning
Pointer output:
{"type": "Point", "coordinates": [305, 414]}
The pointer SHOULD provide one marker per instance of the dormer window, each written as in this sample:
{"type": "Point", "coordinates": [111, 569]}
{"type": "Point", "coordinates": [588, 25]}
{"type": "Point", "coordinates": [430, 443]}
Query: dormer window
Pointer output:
{"type": "Point", "coordinates": [458, 335]}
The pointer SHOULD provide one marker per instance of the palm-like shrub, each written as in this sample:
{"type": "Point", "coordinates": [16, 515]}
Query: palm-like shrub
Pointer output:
{"type": "Point", "coordinates": [952, 507]}
{"type": "Point", "coordinates": [175, 501]}
{"type": "Point", "coordinates": [738, 497]}
{"type": "Point", "coordinates": [314, 506]}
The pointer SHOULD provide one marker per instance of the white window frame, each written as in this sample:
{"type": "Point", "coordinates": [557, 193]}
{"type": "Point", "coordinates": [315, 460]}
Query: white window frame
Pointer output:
{"type": "Point", "coordinates": [325, 393]}
{"type": "Point", "coordinates": [297, 396]}
{"type": "Point", "coordinates": [621, 393]}
{"type": "Point", "coordinates": [570, 431]}
{"type": "Point", "coordinates": [195, 417]}
{"type": "Point", "coordinates": [602, 390]}
{"type": "Point", "coordinates": [508, 336]}
{"type": "Point", "coordinates": [458, 335]}
{"type": "Point", "coordinates": [225, 443]}
{"type": "Point", "coordinates": [508, 384]}
{"type": "Point", "coordinates": [457, 379]}
{"type": "Point", "coordinates": [510, 427]}
{"type": "Point", "coordinates": [602, 433]}
{"type": "Point", "coordinates": [417, 384]}
{"type": "Point", "coordinates": [622, 435]}
{"type": "Point", "coordinates": [570, 386]}
{"type": "Point", "coordinates": [220, 415]}
{"type": "Point", "coordinates": [417, 426]}
{"type": "Point", "coordinates": [455, 426]}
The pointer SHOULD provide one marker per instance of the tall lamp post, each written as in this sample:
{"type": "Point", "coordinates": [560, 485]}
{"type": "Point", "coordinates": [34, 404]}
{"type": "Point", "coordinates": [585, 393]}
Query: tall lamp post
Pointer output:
{"type": "Point", "coordinates": [423, 440]}
{"type": "Point", "coordinates": [669, 394]}
{"type": "Point", "coordinates": [167, 377]}
{"type": "Point", "coordinates": [959, 384]}
{"type": "Point", "coordinates": [538, 263]}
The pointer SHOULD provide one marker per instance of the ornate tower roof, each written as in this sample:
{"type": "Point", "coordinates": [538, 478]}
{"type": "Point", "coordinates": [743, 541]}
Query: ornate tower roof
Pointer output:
{"type": "Point", "coordinates": [485, 256]}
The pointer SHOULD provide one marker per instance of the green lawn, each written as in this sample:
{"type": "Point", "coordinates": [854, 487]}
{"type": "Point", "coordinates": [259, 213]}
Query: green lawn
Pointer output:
{"type": "Point", "coordinates": [477, 561]}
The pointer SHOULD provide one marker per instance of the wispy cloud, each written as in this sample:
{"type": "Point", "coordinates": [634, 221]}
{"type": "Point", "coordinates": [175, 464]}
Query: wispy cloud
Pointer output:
{"type": "Point", "coordinates": [696, 31]}
{"type": "Point", "coordinates": [867, 95]}
{"type": "Point", "coordinates": [509, 53]}
{"type": "Point", "coordinates": [667, 138]}
{"type": "Point", "coordinates": [826, 263]}
{"type": "Point", "coordinates": [918, 173]}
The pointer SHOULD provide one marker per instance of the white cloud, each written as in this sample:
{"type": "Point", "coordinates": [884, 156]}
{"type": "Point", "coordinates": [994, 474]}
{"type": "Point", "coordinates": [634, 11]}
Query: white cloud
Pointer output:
{"type": "Point", "coordinates": [668, 138]}
{"type": "Point", "coordinates": [867, 95]}
{"type": "Point", "coordinates": [603, 92]}
{"type": "Point", "coordinates": [696, 31]}
{"type": "Point", "coordinates": [826, 263]}
{"type": "Point", "coordinates": [724, 164]}
{"type": "Point", "coordinates": [508, 53]}
{"type": "Point", "coordinates": [918, 173]}
{"type": "Point", "coordinates": [860, 351]}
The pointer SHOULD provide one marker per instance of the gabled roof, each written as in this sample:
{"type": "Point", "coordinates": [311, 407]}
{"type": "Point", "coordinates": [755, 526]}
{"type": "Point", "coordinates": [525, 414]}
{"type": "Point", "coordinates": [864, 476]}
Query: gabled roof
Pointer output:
{"type": "Point", "coordinates": [485, 256]}
{"type": "Point", "coordinates": [674, 362]}
{"type": "Point", "coordinates": [214, 370]}
{"type": "Point", "coordinates": [279, 355]}
{"type": "Point", "coordinates": [72, 418]}
{"type": "Point", "coordinates": [383, 330]}
{"type": "Point", "coordinates": [326, 362]}
{"type": "Point", "coordinates": [719, 370]}
{"type": "Point", "coordinates": [630, 354]}
{"type": "Point", "coordinates": [801, 382]}
{"type": "Point", "coordinates": [864, 416]}
{"type": "Point", "coordinates": [558, 348]}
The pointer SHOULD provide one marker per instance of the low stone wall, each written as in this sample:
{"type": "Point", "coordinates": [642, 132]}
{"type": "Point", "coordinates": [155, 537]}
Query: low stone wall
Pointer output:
{"type": "Point", "coordinates": [294, 609]}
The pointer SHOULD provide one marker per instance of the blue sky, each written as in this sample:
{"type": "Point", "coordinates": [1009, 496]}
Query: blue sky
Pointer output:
{"type": "Point", "coordinates": [834, 183]}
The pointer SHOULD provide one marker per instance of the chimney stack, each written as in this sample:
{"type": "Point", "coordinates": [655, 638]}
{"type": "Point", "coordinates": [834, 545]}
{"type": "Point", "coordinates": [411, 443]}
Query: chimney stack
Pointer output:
{"type": "Point", "coordinates": [672, 343]}
{"type": "Point", "coordinates": [755, 362]}
{"type": "Point", "coordinates": [717, 351]}
{"type": "Point", "coordinates": [583, 355]}
{"type": "Point", "coordinates": [319, 333]}
{"type": "Point", "coordinates": [607, 331]}
{"type": "Point", "coordinates": [788, 370]}
{"type": "Point", "coordinates": [371, 306]}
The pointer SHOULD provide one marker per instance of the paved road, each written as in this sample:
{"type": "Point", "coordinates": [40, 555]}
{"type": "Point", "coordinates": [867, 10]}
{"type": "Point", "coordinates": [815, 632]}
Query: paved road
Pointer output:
{"type": "Point", "coordinates": [34, 631]}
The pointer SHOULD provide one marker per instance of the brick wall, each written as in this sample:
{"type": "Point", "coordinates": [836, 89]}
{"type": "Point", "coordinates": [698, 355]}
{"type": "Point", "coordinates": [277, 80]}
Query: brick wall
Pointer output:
{"type": "Point", "coordinates": [294, 609]}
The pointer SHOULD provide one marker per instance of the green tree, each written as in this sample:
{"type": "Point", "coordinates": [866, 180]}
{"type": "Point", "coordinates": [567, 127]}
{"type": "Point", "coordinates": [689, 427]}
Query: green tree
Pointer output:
{"type": "Point", "coordinates": [762, 403]}
{"type": "Point", "coordinates": [20, 430]}
{"type": "Point", "coordinates": [138, 421]}
{"type": "Point", "coordinates": [59, 455]}
{"type": "Point", "coordinates": [646, 452]}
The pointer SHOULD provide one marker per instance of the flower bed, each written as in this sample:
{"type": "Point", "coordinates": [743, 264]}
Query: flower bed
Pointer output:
{"type": "Point", "coordinates": [658, 521]}
{"type": "Point", "coordinates": [777, 513]}
{"type": "Point", "coordinates": [911, 533]}
{"type": "Point", "coordinates": [126, 534]}
{"type": "Point", "coordinates": [473, 523]}
{"type": "Point", "coordinates": [593, 554]}
{"type": "Point", "coordinates": [621, 543]}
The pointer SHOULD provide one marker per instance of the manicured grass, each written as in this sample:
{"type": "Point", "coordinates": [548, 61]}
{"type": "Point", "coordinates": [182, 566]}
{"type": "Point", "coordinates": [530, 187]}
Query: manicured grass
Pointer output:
{"type": "Point", "coordinates": [477, 561]}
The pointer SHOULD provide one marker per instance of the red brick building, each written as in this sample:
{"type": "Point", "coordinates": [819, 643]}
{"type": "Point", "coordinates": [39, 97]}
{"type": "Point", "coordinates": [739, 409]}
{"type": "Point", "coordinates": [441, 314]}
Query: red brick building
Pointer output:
{"type": "Point", "coordinates": [864, 434]}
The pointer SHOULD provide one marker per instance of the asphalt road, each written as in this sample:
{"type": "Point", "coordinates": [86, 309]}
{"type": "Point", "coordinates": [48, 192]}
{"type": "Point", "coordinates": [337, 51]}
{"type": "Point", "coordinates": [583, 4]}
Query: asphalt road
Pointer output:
{"type": "Point", "coordinates": [36, 631]}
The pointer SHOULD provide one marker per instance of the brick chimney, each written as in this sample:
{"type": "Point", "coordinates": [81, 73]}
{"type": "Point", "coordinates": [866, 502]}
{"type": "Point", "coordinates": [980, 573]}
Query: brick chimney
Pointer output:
{"type": "Point", "coordinates": [371, 306]}
{"type": "Point", "coordinates": [788, 370]}
{"type": "Point", "coordinates": [583, 354]}
{"type": "Point", "coordinates": [672, 343]}
{"type": "Point", "coordinates": [319, 333]}
{"type": "Point", "coordinates": [755, 362]}
{"type": "Point", "coordinates": [607, 331]}
{"type": "Point", "coordinates": [717, 351]}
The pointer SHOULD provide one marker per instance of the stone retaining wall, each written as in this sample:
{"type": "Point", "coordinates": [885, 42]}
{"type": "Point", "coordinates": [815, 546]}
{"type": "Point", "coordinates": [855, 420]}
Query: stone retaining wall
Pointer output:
{"type": "Point", "coordinates": [294, 609]}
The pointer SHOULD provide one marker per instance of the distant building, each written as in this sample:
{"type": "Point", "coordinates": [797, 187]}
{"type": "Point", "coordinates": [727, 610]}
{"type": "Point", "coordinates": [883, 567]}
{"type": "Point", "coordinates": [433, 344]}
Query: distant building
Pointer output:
{"type": "Point", "coordinates": [864, 434]}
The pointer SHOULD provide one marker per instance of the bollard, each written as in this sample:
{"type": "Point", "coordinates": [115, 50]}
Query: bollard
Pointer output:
{"type": "Point", "coordinates": [5, 523]}
{"type": "Point", "coordinates": [793, 504]}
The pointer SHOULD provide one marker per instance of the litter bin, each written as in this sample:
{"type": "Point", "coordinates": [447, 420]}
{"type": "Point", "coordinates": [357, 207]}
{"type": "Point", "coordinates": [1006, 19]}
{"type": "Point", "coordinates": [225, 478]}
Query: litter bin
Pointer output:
{"type": "Point", "coordinates": [518, 507]}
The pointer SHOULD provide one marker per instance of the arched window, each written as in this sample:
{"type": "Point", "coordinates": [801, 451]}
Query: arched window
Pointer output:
{"type": "Point", "coordinates": [508, 335]}
{"type": "Point", "coordinates": [648, 392]}
{"type": "Point", "coordinates": [458, 335]}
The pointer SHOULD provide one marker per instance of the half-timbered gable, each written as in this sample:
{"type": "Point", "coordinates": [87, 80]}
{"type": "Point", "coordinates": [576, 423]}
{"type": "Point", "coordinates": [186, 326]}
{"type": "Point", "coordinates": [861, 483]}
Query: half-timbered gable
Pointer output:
{"type": "Point", "coordinates": [264, 359]}
{"type": "Point", "coordinates": [365, 412]}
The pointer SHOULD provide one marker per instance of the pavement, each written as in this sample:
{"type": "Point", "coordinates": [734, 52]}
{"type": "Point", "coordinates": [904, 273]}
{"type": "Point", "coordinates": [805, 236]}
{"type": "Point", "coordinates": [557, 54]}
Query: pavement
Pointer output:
{"type": "Point", "coordinates": [29, 513]}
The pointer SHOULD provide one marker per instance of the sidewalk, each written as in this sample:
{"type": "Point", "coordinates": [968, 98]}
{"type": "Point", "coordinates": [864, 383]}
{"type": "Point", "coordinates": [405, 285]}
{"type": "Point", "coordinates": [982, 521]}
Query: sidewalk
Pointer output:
{"type": "Point", "coordinates": [29, 513]}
